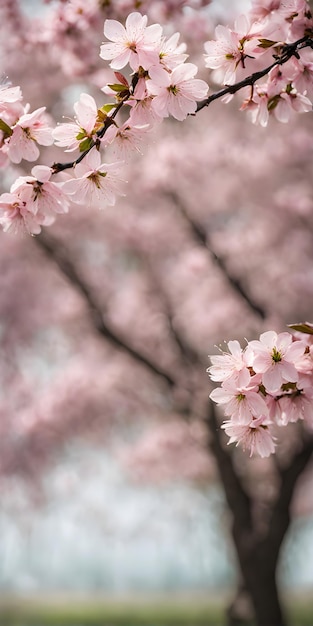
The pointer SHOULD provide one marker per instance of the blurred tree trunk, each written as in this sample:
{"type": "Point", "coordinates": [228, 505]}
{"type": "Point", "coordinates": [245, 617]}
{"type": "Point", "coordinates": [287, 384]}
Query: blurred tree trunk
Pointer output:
{"type": "Point", "coordinates": [257, 544]}
{"type": "Point", "coordinates": [257, 551]}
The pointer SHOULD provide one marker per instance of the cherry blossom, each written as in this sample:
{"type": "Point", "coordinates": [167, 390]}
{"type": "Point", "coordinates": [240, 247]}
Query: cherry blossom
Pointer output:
{"type": "Point", "coordinates": [136, 43]}
{"type": "Point", "coordinates": [9, 94]}
{"type": "Point", "coordinates": [230, 364]}
{"type": "Point", "coordinates": [96, 184]}
{"type": "Point", "coordinates": [71, 135]}
{"type": "Point", "coordinates": [231, 48]}
{"type": "Point", "coordinates": [254, 437]}
{"type": "Point", "coordinates": [242, 402]}
{"type": "Point", "coordinates": [47, 197]}
{"type": "Point", "coordinates": [172, 53]}
{"type": "Point", "coordinates": [16, 215]}
{"type": "Point", "coordinates": [125, 139]}
{"type": "Point", "coordinates": [176, 93]}
{"type": "Point", "coordinates": [142, 112]}
{"type": "Point", "coordinates": [275, 388]}
{"type": "Point", "coordinates": [30, 129]}
{"type": "Point", "coordinates": [275, 357]}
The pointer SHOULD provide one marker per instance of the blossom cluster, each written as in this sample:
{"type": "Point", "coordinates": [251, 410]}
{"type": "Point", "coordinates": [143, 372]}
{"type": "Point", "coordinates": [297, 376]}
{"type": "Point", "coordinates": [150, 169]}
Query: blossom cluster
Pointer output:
{"type": "Point", "coordinates": [162, 84]}
{"type": "Point", "coordinates": [268, 383]}
{"type": "Point", "coordinates": [267, 33]}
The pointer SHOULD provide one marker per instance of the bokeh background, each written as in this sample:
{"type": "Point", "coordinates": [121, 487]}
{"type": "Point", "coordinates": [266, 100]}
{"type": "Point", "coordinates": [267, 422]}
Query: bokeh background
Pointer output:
{"type": "Point", "coordinates": [107, 319]}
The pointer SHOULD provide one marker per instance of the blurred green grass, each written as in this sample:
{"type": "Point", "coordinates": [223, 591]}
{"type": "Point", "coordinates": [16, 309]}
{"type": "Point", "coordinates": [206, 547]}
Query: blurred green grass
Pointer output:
{"type": "Point", "coordinates": [97, 611]}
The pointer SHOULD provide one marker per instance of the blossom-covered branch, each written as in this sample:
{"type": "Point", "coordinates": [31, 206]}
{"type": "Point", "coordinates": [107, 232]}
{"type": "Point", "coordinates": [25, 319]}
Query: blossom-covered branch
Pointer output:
{"type": "Point", "coordinates": [268, 383]}
{"type": "Point", "coordinates": [162, 84]}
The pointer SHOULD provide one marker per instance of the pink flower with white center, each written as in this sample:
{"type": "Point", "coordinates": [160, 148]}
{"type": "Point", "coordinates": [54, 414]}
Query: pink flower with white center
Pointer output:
{"type": "Point", "coordinates": [232, 364]}
{"type": "Point", "coordinates": [44, 198]}
{"type": "Point", "coordinates": [16, 216]}
{"type": "Point", "coordinates": [243, 402]}
{"type": "Point", "coordinates": [176, 93]}
{"type": "Point", "coordinates": [231, 48]}
{"type": "Point", "coordinates": [255, 437]}
{"type": "Point", "coordinates": [96, 184]}
{"type": "Point", "coordinates": [275, 357]}
{"type": "Point", "coordinates": [31, 128]}
{"type": "Point", "coordinates": [136, 44]}
{"type": "Point", "coordinates": [126, 139]}
{"type": "Point", "coordinates": [85, 126]}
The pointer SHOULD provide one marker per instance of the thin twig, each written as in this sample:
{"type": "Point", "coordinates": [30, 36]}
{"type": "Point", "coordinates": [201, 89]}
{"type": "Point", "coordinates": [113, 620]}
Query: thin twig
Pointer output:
{"type": "Point", "coordinates": [290, 50]}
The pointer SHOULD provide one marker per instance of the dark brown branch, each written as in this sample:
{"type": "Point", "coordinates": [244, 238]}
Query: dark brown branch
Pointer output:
{"type": "Point", "coordinates": [56, 252]}
{"type": "Point", "coordinates": [289, 475]}
{"type": "Point", "coordinates": [187, 353]}
{"type": "Point", "coordinates": [289, 50]}
{"type": "Point", "coordinates": [237, 498]}
{"type": "Point", "coordinates": [203, 238]}
{"type": "Point", "coordinates": [60, 167]}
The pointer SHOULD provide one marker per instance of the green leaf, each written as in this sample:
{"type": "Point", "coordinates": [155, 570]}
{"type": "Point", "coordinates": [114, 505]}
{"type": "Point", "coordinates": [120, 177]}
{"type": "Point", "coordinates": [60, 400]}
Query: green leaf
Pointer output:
{"type": "Point", "coordinates": [266, 43]}
{"type": "Point", "coordinates": [302, 327]}
{"type": "Point", "coordinates": [108, 107]}
{"type": "Point", "coordinates": [273, 102]}
{"type": "Point", "coordinates": [118, 88]}
{"type": "Point", "coordinates": [85, 145]}
{"type": "Point", "coordinates": [6, 128]}
{"type": "Point", "coordinates": [81, 135]}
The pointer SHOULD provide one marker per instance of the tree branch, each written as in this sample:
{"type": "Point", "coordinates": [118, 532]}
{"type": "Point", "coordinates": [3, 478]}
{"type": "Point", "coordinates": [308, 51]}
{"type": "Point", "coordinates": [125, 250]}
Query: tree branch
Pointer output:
{"type": "Point", "coordinates": [55, 251]}
{"type": "Point", "coordinates": [237, 497]}
{"type": "Point", "coordinates": [203, 238]}
{"type": "Point", "coordinates": [289, 50]}
{"type": "Point", "coordinates": [289, 475]}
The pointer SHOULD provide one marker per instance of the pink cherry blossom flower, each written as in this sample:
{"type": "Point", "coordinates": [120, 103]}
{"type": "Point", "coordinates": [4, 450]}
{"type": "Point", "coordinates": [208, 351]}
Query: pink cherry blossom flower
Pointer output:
{"type": "Point", "coordinates": [141, 112]}
{"type": "Point", "coordinates": [44, 198]}
{"type": "Point", "coordinates": [263, 8]}
{"type": "Point", "coordinates": [303, 78]}
{"type": "Point", "coordinates": [10, 103]}
{"type": "Point", "coordinates": [96, 184]}
{"type": "Point", "coordinates": [257, 106]}
{"type": "Point", "coordinates": [244, 402]}
{"type": "Point", "coordinates": [126, 139]}
{"type": "Point", "coordinates": [231, 47]}
{"type": "Point", "coordinates": [232, 364]}
{"type": "Point", "coordinates": [289, 9]}
{"type": "Point", "coordinates": [31, 128]}
{"type": "Point", "coordinates": [290, 102]}
{"type": "Point", "coordinates": [275, 358]}
{"type": "Point", "coordinates": [176, 93]}
{"type": "Point", "coordinates": [16, 216]}
{"type": "Point", "coordinates": [170, 55]}
{"type": "Point", "coordinates": [85, 126]}
{"type": "Point", "coordinates": [255, 437]}
{"type": "Point", "coordinates": [297, 406]}
{"type": "Point", "coordinates": [136, 44]}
